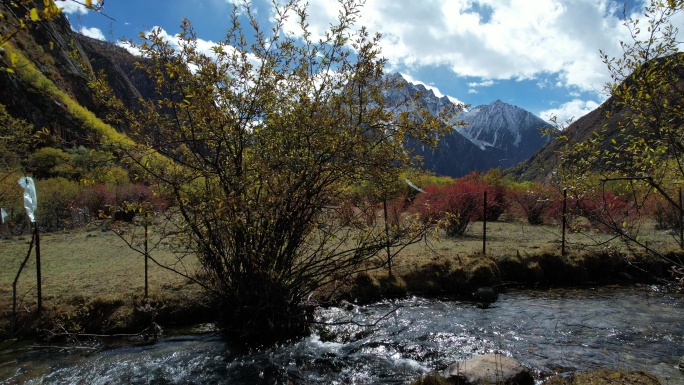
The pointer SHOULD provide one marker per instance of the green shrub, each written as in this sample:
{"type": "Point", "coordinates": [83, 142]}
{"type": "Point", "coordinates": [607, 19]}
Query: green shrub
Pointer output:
{"type": "Point", "coordinates": [561, 270]}
{"type": "Point", "coordinates": [10, 191]}
{"type": "Point", "coordinates": [49, 162]}
{"type": "Point", "coordinates": [537, 203]}
{"type": "Point", "coordinates": [12, 202]}
{"type": "Point", "coordinates": [437, 278]}
{"type": "Point", "coordinates": [485, 273]}
{"type": "Point", "coordinates": [56, 198]}
{"type": "Point", "coordinates": [109, 175]}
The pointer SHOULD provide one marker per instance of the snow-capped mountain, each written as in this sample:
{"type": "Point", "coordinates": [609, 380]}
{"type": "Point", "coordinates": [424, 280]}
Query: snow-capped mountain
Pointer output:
{"type": "Point", "coordinates": [497, 135]}
{"type": "Point", "coordinates": [431, 101]}
{"type": "Point", "coordinates": [508, 128]}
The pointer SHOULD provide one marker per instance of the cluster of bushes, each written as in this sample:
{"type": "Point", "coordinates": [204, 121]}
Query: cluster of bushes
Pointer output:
{"type": "Point", "coordinates": [74, 187]}
{"type": "Point", "coordinates": [456, 204]}
{"type": "Point", "coordinates": [63, 203]}
{"type": "Point", "coordinates": [453, 204]}
{"type": "Point", "coordinates": [77, 185]}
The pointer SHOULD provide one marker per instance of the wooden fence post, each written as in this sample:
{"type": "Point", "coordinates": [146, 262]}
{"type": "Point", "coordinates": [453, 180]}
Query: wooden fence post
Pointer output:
{"type": "Point", "coordinates": [387, 237]}
{"type": "Point", "coordinates": [681, 223]}
{"type": "Point", "coordinates": [147, 255]}
{"type": "Point", "coordinates": [484, 226]}
{"type": "Point", "coordinates": [565, 209]}
{"type": "Point", "coordinates": [38, 272]}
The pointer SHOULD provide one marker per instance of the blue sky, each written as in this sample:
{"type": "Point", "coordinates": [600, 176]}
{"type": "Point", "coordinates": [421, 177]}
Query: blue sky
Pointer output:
{"type": "Point", "coordinates": [541, 55]}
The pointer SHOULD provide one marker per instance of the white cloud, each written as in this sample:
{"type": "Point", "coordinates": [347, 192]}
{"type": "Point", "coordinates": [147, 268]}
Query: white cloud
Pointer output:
{"type": "Point", "coordinates": [571, 110]}
{"type": "Point", "coordinates": [553, 43]}
{"type": "Point", "coordinates": [542, 84]}
{"type": "Point", "coordinates": [71, 7]}
{"type": "Point", "coordinates": [485, 83]}
{"type": "Point", "coordinates": [322, 13]}
{"type": "Point", "coordinates": [455, 100]}
{"type": "Point", "coordinates": [126, 45]}
{"type": "Point", "coordinates": [510, 39]}
{"type": "Point", "coordinates": [95, 33]}
{"type": "Point", "coordinates": [240, 5]}
{"type": "Point", "coordinates": [205, 47]}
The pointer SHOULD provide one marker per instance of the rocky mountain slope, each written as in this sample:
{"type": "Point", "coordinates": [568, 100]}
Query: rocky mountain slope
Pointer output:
{"type": "Point", "coordinates": [64, 62]}
{"type": "Point", "coordinates": [606, 120]}
{"type": "Point", "coordinates": [541, 165]}
{"type": "Point", "coordinates": [506, 127]}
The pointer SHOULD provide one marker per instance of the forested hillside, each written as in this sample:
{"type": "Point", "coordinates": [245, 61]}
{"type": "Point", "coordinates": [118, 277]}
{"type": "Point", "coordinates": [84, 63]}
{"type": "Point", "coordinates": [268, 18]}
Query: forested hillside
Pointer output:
{"type": "Point", "coordinates": [70, 94]}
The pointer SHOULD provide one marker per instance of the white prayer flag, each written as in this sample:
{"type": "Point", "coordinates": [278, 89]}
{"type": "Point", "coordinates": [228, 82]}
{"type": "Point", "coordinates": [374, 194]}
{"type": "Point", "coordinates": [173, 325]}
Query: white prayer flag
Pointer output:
{"type": "Point", "coordinates": [3, 214]}
{"type": "Point", "coordinates": [414, 186]}
{"type": "Point", "coordinates": [30, 197]}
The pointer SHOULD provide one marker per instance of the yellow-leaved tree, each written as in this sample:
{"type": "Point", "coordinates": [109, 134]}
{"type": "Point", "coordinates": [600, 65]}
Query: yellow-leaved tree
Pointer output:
{"type": "Point", "coordinates": [638, 158]}
{"type": "Point", "coordinates": [267, 135]}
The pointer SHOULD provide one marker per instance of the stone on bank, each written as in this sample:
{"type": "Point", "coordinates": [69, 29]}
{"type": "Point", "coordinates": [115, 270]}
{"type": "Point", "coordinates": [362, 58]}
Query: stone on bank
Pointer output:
{"type": "Point", "coordinates": [489, 369]}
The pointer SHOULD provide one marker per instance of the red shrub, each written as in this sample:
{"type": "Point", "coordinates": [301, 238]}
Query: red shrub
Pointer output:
{"type": "Point", "coordinates": [139, 195]}
{"type": "Point", "coordinates": [606, 212]}
{"type": "Point", "coordinates": [452, 206]}
{"type": "Point", "coordinates": [96, 198]}
{"type": "Point", "coordinates": [497, 202]}
{"type": "Point", "coordinates": [537, 203]}
{"type": "Point", "coordinates": [665, 214]}
{"type": "Point", "coordinates": [103, 199]}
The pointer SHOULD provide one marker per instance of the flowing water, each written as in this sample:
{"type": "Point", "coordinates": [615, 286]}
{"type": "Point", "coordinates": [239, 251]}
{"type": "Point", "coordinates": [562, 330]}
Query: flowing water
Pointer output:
{"type": "Point", "coordinates": [396, 342]}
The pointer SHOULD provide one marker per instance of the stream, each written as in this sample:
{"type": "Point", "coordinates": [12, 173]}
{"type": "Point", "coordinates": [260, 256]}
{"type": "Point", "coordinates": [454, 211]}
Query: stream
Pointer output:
{"type": "Point", "coordinates": [395, 342]}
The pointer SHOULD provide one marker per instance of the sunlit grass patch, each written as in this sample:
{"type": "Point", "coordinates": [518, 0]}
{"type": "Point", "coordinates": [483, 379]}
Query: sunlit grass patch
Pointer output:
{"type": "Point", "coordinates": [88, 269]}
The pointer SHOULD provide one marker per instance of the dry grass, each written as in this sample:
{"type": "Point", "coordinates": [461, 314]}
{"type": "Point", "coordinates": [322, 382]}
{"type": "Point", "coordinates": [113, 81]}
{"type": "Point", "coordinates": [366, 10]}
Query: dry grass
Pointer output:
{"type": "Point", "coordinates": [89, 269]}
{"type": "Point", "coordinates": [519, 239]}
{"type": "Point", "coordinates": [84, 267]}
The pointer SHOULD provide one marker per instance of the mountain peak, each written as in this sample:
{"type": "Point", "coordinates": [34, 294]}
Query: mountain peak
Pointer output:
{"type": "Point", "coordinates": [498, 104]}
{"type": "Point", "coordinates": [497, 135]}
{"type": "Point", "coordinates": [501, 125]}
{"type": "Point", "coordinates": [430, 100]}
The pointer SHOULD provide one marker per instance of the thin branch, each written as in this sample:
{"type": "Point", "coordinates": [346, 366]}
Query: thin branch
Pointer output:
{"type": "Point", "coordinates": [352, 322]}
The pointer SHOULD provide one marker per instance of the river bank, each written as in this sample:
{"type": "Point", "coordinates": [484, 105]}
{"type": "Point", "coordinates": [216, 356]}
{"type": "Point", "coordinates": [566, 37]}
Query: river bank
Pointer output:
{"type": "Point", "coordinates": [93, 284]}
{"type": "Point", "coordinates": [472, 278]}
{"type": "Point", "coordinates": [566, 331]}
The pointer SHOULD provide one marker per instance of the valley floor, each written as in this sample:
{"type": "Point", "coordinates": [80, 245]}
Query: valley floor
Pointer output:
{"type": "Point", "coordinates": [93, 282]}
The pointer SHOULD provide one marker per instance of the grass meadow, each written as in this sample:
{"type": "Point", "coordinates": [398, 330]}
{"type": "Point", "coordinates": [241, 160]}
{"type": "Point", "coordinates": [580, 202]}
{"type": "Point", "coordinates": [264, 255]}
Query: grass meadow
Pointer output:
{"type": "Point", "coordinates": [92, 281]}
{"type": "Point", "coordinates": [85, 269]}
